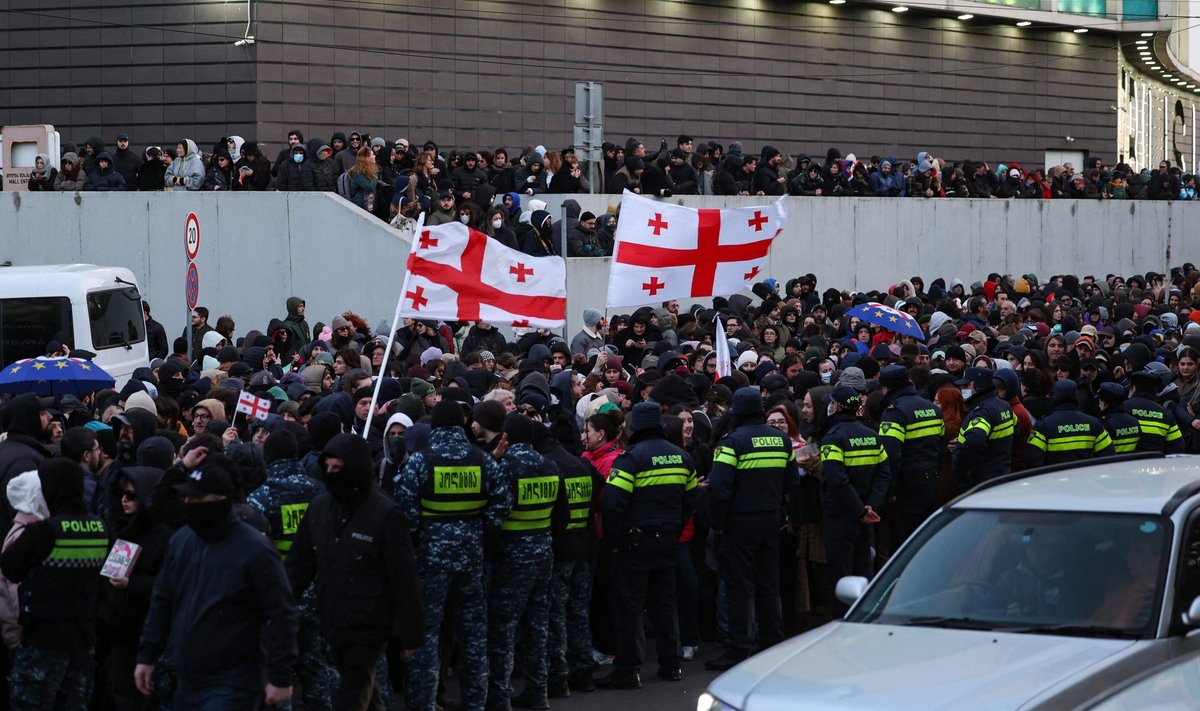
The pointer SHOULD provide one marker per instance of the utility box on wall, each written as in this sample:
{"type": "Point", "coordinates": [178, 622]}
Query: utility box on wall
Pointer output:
{"type": "Point", "coordinates": [19, 146]}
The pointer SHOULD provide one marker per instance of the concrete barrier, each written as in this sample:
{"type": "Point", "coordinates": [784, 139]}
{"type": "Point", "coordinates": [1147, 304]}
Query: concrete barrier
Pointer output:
{"type": "Point", "coordinates": [259, 248]}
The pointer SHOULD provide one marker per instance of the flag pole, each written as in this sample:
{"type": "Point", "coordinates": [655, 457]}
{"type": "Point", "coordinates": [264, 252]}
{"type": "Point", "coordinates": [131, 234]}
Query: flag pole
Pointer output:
{"type": "Point", "coordinates": [387, 352]}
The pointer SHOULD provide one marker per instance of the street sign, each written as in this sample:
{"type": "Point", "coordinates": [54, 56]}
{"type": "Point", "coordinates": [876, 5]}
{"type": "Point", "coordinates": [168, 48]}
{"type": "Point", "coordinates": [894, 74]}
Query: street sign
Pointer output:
{"type": "Point", "coordinates": [589, 103]}
{"type": "Point", "coordinates": [588, 142]}
{"type": "Point", "coordinates": [191, 235]}
{"type": "Point", "coordinates": [191, 287]}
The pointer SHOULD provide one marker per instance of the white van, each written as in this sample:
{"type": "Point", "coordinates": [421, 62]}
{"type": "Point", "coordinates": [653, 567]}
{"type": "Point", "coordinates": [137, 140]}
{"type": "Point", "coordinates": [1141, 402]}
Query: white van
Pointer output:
{"type": "Point", "coordinates": [98, 309]}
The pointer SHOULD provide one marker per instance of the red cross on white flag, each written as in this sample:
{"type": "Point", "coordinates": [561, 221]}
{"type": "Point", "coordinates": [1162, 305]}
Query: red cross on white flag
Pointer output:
{"type": "Point", "coordinates": [257, 408]}
{"type": "Point", "coordinates": [666, 251]}
{"type": "Point", "coordinates": [459, 274]}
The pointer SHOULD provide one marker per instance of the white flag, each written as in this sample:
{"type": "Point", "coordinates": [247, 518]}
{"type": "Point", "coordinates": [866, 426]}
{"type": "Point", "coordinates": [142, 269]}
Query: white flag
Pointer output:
{"type": "Point", "coordinates": [724, 364]}
{"type": "Point", "coordinates": [666, 251]}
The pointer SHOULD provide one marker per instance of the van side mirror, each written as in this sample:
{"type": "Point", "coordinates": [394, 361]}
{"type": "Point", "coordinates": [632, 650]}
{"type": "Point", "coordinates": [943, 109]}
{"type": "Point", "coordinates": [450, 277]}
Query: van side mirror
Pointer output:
{"type": "Point", "coordinates": [851, 587]}
{"type": "Point", "coordinates": [1191, 618]}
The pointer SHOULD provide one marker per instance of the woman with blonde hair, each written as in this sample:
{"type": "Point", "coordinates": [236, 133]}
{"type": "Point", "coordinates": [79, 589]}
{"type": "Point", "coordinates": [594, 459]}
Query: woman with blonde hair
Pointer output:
{"type": "Point", "coordinates": [363, 179]}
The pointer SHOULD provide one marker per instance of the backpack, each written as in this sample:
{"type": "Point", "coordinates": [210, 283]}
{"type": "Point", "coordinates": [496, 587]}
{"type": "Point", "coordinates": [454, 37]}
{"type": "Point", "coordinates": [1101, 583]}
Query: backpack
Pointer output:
{"type": "Point", "coordinates": [343, 185]}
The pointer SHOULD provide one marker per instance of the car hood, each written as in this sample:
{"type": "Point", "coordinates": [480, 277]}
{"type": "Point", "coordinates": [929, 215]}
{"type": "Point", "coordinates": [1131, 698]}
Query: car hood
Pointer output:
{"type": "Point", "coordinates": [845, 665]}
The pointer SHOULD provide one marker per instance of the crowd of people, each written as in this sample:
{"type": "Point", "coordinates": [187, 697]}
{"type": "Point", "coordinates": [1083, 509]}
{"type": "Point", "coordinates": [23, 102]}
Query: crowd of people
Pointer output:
{"type": "Point", "coordinates": [391, 178]}
{"type": "Point", "coordinates": [511, 507]}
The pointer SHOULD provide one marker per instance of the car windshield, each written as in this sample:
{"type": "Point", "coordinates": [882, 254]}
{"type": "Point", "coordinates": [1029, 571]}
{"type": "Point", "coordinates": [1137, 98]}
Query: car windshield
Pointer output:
{"type": "Point", "coordinates": [116, 316]}
{"type": "Point", "coordinates": [1047, 572]}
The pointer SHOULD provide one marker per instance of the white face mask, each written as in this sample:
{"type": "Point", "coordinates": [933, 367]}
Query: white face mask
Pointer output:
{"type": "Point", "coordinates": [465, 219]}
{"type": "Point", "coordinates": [497, 224]}
{"type": "Point", "coordinates": [826, 377]}
{"type": "Point", "coordinates": [967, 393]}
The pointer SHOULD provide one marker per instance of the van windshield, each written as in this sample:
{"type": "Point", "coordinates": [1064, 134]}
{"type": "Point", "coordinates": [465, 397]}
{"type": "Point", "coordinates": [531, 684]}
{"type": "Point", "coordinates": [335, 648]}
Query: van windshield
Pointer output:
{"type": "Point", "coordinates": [28, 324]}
{"type": "Point", "coordinates": [116, 317]}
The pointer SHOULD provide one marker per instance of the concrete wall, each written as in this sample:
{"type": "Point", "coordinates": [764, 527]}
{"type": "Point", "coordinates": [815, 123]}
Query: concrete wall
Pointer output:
{"type": "Point", "coordinates": [258, 249]}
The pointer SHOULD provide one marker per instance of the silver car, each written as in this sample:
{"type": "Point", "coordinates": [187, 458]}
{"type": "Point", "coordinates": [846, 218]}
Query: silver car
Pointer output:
{"type": "Point", "coordinates": [1042, 590]}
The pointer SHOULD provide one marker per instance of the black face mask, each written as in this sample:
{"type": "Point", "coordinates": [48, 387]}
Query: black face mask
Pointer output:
{"type": "Point", "coordinates": [206, 516]}
{"type": "Point", "coordinates": [171, 387]}
{"type": "Point", "coordinates": [342, 486]}
{"type": "Point", "coordinates": [395, 448]}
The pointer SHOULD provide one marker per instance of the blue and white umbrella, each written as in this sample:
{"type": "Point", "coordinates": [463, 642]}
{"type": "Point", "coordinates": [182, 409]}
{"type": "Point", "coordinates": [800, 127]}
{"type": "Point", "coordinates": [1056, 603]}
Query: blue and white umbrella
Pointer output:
{"type": "Point", "coordinates": [53, 376]}
{"type": "Point", "coordinates": [887, 317]}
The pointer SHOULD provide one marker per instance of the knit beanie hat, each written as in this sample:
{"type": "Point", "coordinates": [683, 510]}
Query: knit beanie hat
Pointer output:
{"type": "Point", "coordinates": [648, 416]}
{"type": "Point", "coordinates": [747, 401]}
{"type": "Point", "coordinates": [280, 444]}
{"type": "Point", "coordinates": [446, 413]}
{"type": "Point", "coordinates": [490, 415]}
{"type": "Point", "coordinates": [591, 317]}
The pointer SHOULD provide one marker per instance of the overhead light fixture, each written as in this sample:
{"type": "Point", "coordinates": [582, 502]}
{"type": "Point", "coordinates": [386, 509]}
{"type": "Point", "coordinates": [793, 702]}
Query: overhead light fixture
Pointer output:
{"type": "Point", "coordinates": [1024, 23]}
{"type": "Point", "coordinates": [837, 2]}
{"type": "Point", "coordinates": [1167, 76]}
{"type": "Point", "coordinates": [1191, 86]}
{"type": "Point", "coordinates": [1141, 41]}
{"type": "Point", "coordinates": [966, 17]}
{"type": "Point", "coordinates": [1154, 66]}
{"type": "Point", "coordinates": [1080, 30]}
{"type": "Point", "coordinates": [1147, 34]}
{"type": "Point", "coordinates": [899, 8]}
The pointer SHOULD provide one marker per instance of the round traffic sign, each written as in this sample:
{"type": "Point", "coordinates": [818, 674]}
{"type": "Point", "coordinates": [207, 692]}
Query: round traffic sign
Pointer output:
{"type": "Point", "coordinates": [191, 235]}
{"type": "Point", "coordinates": [191, 287]}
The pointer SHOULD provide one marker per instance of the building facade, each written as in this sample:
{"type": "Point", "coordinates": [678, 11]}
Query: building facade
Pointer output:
{"type": "Point", "coordinates": [959, 79]}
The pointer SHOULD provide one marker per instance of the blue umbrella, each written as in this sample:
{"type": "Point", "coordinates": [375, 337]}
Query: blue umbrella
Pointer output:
{"type": "Point", "coordinates": [887, 317]}
{"type": "Point", "coordinates": [53, 376]}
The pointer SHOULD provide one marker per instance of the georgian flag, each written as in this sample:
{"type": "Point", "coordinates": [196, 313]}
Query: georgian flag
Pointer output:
{"type": "Point", "coordinates": [459, 274]}
{"type": "Point", "coordinates": [666, 251]}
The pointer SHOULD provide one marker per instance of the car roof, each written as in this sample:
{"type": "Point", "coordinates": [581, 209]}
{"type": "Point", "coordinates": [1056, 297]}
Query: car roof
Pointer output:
{"type": "Point", "coordinates": [1147, 486]}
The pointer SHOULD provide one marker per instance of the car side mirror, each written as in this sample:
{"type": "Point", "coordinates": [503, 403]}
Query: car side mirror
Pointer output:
{"type": "Point", "coordinates": [1191, 618]}
{"type": "Point", "coordinates": [851, 587]}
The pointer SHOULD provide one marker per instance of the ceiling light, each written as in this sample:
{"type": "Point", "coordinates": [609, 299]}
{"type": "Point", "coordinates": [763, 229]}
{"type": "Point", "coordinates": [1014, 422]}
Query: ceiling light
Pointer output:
{"type": "Point", "coordinates": [1154, 66]}
{"type": "Point", "coordinates": [1080, 30]}
{"type": "Point", "coordinates": [1145, 53]}
{"type": "Point", "coordinates": [1167, 76]}
{"type": "Point", "coordinates": [899, 8]}
{"type": "Point", "coordinates": [1147, 34]}
{"type": "Point", "coordinates": [837, 2]}
{"type": "Point", "coordinates": [1024, 23]}
{"type": "Point", "coordinates": [1141, 42]}
{"type": "Point", "coordinates": [1191, 86]}
{"type": "Point", "coordinates": [967, 16]}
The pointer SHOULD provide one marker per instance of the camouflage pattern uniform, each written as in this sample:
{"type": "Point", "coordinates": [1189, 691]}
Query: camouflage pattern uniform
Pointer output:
{"type": "Point", "coordinates": [519, 584]}
{"type": "Point", "coordinates": [44, 679]}
{"type": "Point", "coordinates": [451, 492]}
{"type": "Point", "coordinates": [283, 500]}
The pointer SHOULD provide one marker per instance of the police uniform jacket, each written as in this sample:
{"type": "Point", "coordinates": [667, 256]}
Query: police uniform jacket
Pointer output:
{"type": "Point", "coordinates": [1066, 435]}
{"type": "Point", "coordinates": [574, 536]}
{"type": "Point", "coordinates": [1124, 430]}
{"type": "Point", "coordinates": [984, 448]}
{"type": "Point", "coordinates": [854, 469]}
{"type": "Point", "coordinates": [753, 469]}
{"type": "Point", "coordinates": [651, 486]}
{"type": "Point", "coordinates": [1157, 429]}
{"type": "Point", "coordinates": [911, 429]}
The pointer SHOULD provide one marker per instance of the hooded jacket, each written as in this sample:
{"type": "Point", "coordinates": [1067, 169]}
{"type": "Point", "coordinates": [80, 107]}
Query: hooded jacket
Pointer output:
{"type": "Point", "coordinates": [73, 179]}
{"type": "Point", "coordinates": [187, 172]}
{"type": "Point", "coordinates": [25, 496]}
{"type": "Point", "coordinates": [218, 178]}
{"type": "Point", "coordinates": [24, 447]}
{"type": "Point", "coordinates": [58, 588]}
{"type": "Point", "coordinates": [127, 162]}
{"type": "Point", "coordinates": [295, 176]}
{"type": "Point", "coordinates": [354, 542]}
{"type": "Point", "coordinates": [90, 161]}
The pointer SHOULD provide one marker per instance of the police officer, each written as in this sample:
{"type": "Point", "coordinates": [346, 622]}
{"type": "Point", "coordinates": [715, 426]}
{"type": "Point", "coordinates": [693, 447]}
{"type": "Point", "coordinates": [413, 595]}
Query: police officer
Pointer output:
{"type": "Point", "coordinates": [522, 561]}
{"type": "Point", "coordinates": [650, 494]}
{"type": "Point", "coordinates": [911, 430]}
{"type": "Point", "coordinates": [575, 542]}
{"type": "Point", "coordinates": [451, 492]}
{"type": "Point", "coordinates": [355, 542]}
{"type": "Point", "coordinates": [753, 469]}
{"type": "Point", "coordinates": [283, 500]}
{"type": "Point", "coordinates": [1122, 427]}
{"type": "Point", "coordinates": [57, 564]}
{"type": "Point", "coordinates": [855, 477]}
{"type": "Point", "coordinates": [984, 449]}
{"type": "Point", "coordinates": [1157, 429]}
{"type": "Point", "coordinates": [1066, 434]}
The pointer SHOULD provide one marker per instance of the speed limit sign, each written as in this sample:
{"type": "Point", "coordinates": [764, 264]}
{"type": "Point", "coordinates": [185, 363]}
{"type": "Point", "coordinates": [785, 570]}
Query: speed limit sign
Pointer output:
{"type": "Point", "coordinates": [191, 235]}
